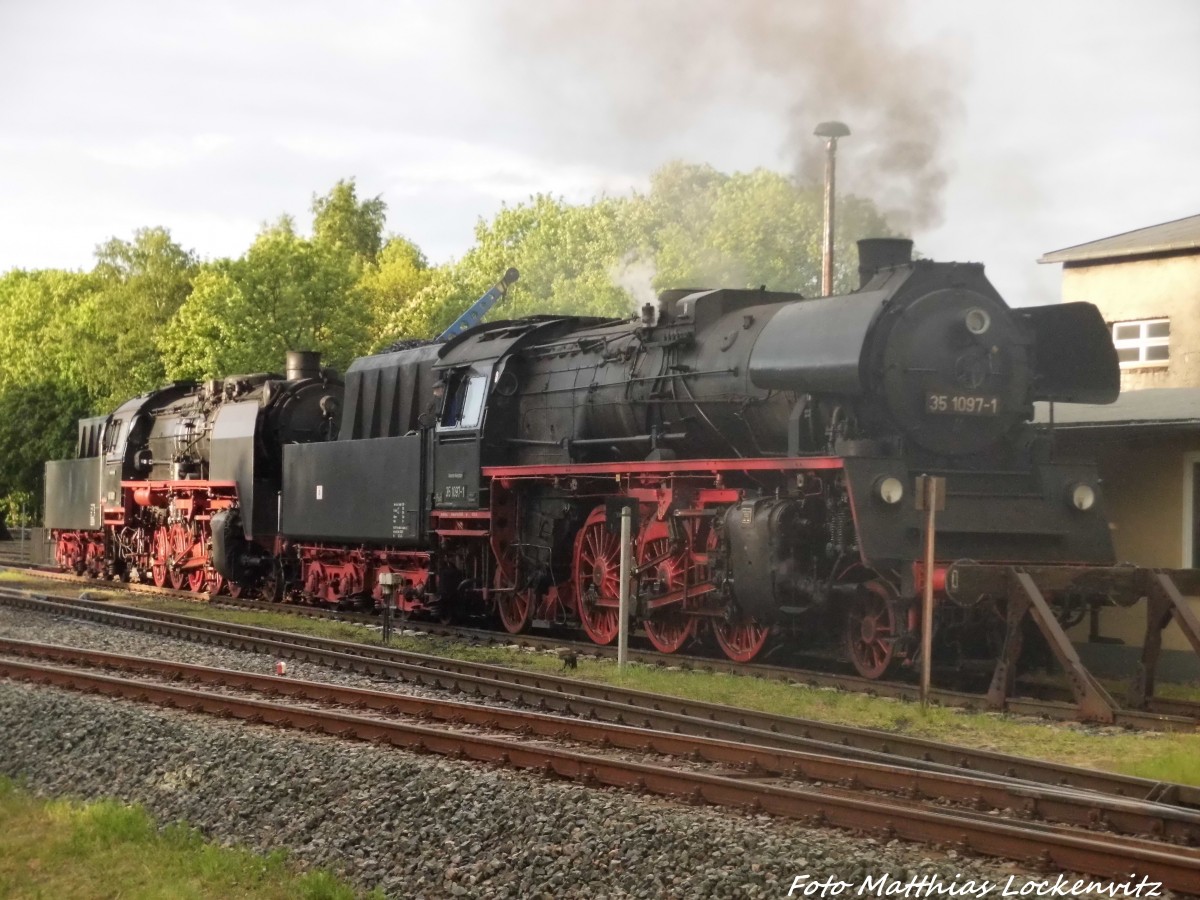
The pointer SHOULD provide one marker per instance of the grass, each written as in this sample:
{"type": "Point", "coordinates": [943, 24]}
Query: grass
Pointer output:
{"type": "Point", "coordinates": [67, 848]}
{"type": "Point", "coordinates": [1174, 757]}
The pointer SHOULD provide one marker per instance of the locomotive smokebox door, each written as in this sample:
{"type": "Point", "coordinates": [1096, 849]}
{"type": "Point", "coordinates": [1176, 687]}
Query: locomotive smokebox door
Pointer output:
{"type": "Point", "coordinates": [612, 513]}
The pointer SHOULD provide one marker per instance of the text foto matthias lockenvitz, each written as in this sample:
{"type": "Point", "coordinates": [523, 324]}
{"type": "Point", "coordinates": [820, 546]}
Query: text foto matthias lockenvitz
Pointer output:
{"type": "Point", "coordinates": [918, 886]}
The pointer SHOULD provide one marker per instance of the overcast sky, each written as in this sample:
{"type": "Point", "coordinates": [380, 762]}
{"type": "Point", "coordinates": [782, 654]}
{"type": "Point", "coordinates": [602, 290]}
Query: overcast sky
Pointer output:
{"type": "Point", "coordinates": [1049, 123]}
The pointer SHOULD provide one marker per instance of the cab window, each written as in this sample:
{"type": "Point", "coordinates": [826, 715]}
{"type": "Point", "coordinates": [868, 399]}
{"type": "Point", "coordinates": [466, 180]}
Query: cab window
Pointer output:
{"type": "Point", "coordinates": [113, 435]}
{"type": "Point", "coordinates": [464, 408]}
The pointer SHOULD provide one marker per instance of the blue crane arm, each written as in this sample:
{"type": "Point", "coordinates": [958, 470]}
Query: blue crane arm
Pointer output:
{"type": "Point", "coordinates": [480, 307]}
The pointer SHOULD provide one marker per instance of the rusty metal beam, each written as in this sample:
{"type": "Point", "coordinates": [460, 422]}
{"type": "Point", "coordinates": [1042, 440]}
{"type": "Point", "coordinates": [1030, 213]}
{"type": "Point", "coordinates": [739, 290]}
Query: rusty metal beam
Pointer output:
{"type": "Point", "coordinates": [1121, 585]}
{"type": "Point", "coordinates": [1164, 603]}
{"type": "Point", "coordinates": [1093, 700]}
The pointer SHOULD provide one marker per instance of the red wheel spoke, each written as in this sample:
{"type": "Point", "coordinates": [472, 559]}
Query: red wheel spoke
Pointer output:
{"type": "Point", "coordinates": [741, 641]}
{"type": "Point", "coordinates": [871, 628]}
{"type": "Point", "coordinates": [662, 564]}
{"type": "Point", "coordinates": [597, 577]}
{"type": "Point", "coordinates": [516, 610]}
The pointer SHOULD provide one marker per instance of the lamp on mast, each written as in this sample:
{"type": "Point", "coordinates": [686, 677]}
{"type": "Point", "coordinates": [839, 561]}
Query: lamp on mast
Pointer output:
{"type": "Point", "coordinates": [831, 131]}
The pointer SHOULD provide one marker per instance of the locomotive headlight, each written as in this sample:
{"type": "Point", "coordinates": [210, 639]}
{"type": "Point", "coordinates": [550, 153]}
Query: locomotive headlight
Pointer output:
{"type": "Point", "coordinates": [890, 489]}
{"type": "Point", "coordinates": [1083, 496]}
{"type": "Point", "coordinates": [977, 321]}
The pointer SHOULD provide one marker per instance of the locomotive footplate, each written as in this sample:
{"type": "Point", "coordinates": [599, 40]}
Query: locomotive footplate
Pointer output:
{"type": "Point", "coordinates": [1033, 590]}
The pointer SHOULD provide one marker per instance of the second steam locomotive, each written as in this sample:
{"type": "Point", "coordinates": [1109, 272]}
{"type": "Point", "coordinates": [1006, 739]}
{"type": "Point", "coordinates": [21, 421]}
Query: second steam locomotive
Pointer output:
{"type": "Point", "coordinates": [767, 444]}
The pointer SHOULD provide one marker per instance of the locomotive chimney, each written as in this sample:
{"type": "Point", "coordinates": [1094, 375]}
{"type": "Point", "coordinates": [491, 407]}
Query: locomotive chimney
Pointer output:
{"type": "Point", "coordinates": [880, 253]}
{"type": "Point", "coordinates": [831, 131]}
{"type": "Point", "coordinates": [303, 364]}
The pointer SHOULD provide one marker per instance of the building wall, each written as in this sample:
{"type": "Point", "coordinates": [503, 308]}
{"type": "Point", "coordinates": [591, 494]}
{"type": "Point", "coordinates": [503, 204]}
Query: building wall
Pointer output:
{"type": "Point", "coordinates": [1146, 289]}
{"type": "Point", "coordinates": [1143, 483]}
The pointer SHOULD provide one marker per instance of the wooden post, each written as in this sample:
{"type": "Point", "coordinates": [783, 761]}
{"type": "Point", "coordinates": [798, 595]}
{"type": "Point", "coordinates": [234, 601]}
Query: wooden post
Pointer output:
{"type": "Point", "coordinates": [623, 607]}
{"type": "Point", "coordinates": [930, 496]}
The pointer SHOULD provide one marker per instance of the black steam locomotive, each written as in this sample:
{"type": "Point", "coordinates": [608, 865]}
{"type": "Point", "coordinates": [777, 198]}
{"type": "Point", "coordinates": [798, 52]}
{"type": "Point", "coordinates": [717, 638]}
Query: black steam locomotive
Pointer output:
{"type": "Point", "coordinates": [767, 444]}
{"type": "Point", "coordinates": [147, 481]}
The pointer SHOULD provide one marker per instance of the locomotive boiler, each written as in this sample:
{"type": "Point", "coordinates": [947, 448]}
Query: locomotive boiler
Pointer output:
{"type": "Point", "coordinates": [150, 479]}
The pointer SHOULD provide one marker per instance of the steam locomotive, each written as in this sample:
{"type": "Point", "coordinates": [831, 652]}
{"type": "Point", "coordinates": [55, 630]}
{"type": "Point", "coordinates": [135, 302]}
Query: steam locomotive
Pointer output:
{"type": "Point", "coordinates": [765, 443]}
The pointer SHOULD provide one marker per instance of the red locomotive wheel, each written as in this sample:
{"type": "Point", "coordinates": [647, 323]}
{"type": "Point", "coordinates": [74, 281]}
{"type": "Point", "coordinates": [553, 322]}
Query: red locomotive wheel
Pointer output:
{"type": "Point", "coordinates": [670, 631]}
{"type": "Point", "coordinates": [871, 629]}
{"type": "Point", "coordinates": [196, 579]}
{"type": "Point", "coordinates": [598, 578]}
{"type": "Point", "coordinates": [741, 641]}
{"type": "Point", "coordinates": [515, 606]}
{"type": "Point", "coordinates": [162, 556]}
{"type": "Point", "coordinates": [516, 610]}
{"type": "Point", "coordinates": [216, 582]}
{"type": "Point", "coordinates": [669, 628]}
{"type": "Point", "coordinates": [181, 548]}
{"type": "Point", "coordinates": [94, 563]}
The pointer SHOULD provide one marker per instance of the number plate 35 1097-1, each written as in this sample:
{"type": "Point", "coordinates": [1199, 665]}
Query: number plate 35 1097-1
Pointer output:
{"type": "Point", "coordinates": [950, 404]}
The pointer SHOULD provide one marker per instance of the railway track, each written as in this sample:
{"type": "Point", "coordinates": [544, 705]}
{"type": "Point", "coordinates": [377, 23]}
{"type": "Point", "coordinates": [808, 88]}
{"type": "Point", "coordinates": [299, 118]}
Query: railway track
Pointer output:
{"type": "Point", "coordinates": [719, 773]}
{"type": "Point", "coordinates": [1162, 714]}
{"type": "Point", "coordinates": [617, 706]}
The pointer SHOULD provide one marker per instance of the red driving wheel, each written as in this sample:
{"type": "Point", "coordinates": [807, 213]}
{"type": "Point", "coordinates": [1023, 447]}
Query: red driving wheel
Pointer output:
{"type": "Point", "coordinates": [658, 560]}
{"type": "Point", "coordinates": [742, 639]}
{"type": "Point", "coordinates": [871, 629]}
{"type": "Point", "coordinates": [597, 578]}
{"type": "Point", "coordinates": [161, 559]}
{"type": "Point", "coordinates": [181, 547]}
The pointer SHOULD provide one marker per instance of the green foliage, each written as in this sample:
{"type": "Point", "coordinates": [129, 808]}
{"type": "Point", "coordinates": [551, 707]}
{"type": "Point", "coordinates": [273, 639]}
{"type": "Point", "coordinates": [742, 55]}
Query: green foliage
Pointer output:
{"type": "Point", "coordinates": [341, 221]}
{"type": "Point", "coordinates": [567, 256]}
{"type": "Point", "coordinates": [286, 293]}
{"type": "Point", "coordinates": [391, 288]}
{"type": "Point", "coordinates": [37, 423]}
{"type": "Point", "coordinates": [139, 285]}
{"type": "Point", "coordinates": [706, 229]}
{"type": "Point", "coordinates": [696, 227]}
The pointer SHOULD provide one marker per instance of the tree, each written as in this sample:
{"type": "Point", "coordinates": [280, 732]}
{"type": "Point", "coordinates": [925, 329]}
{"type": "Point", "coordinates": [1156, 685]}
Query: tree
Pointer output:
{"type": "Point", "coordinates": [286, 293]}
{"type": "Point", "coordinates": [138, 286]}
{"type": "Point", "coordinates": [567, 256]}
{"type": "Point", "coordinates": [37, 423]}
{"type": "Point", "coordinates": [696, 227]}
{"type": "Point", "coordinates": [42, 388]}
{"type": "Point", "coordinates": [702, 228]}
{"type": "Point", "coordinates": [390, 289]}
{"type": "Point", "coordinates": [341, 221]}
{"type": "Point", "coordinates": [38, 326]}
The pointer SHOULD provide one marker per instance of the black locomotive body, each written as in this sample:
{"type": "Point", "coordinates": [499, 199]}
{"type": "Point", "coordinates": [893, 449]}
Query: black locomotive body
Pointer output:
{"type": "Point", "coordinates": [151, 480]}
{"type": "Point", "coordinates": [766, 444]}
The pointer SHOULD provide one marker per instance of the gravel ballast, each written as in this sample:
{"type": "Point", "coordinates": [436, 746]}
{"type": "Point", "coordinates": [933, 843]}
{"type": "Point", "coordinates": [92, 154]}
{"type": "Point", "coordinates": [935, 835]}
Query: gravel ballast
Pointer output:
{"type": "Point", "coordinates": [413, 825]}
{"type": "Point", "coordinates": [416, 825]}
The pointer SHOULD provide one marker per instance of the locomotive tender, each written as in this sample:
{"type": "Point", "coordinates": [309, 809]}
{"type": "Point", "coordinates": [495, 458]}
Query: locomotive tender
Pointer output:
{"type": "Point", "coordinates": [767, 442]}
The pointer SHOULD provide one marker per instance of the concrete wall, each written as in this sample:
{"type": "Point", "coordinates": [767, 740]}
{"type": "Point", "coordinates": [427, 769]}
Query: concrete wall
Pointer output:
{"type": "Point", "coordinates": [1144, 491]}
{"type": "Point", "coordinates": [1164, 287]}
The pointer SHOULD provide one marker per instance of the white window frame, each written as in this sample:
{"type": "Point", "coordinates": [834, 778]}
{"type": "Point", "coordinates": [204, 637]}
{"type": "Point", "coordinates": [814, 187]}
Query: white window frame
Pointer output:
{"type": "Point", "coordinates": [1190, 460]}
{"type": "Point", "coordinates": [1142, 342]}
